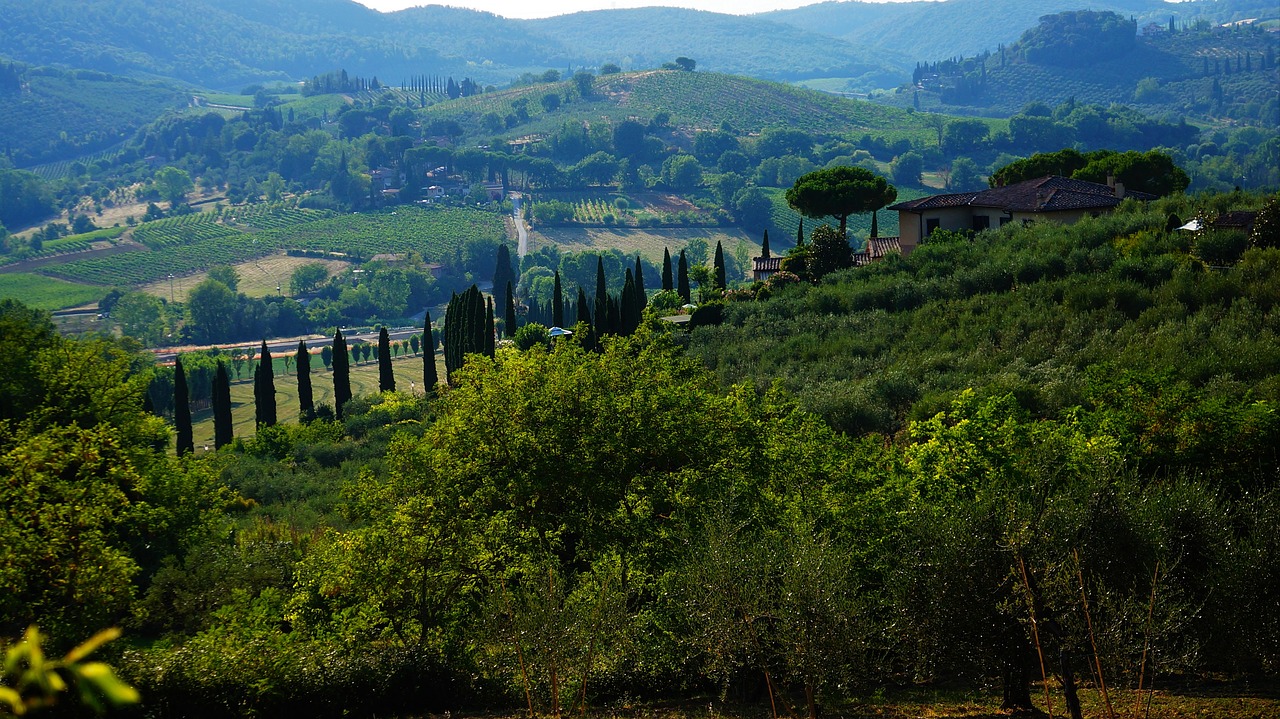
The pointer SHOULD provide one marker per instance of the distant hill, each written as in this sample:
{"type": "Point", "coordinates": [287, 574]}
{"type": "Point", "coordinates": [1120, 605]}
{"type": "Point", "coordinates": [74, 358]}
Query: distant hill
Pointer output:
{"type": "Point", "coordinates": [701, 100]}
{"type": "Point", "coordinates": [968, 27]}
{"type": "Point", "coordinates": [228, 44]}
{"type": "Point", "coordinates": [755, 46]}
{"type": "Point", "coordinates": [64, 113]}
{"type": "Point", "coordinates": [1207, 72]}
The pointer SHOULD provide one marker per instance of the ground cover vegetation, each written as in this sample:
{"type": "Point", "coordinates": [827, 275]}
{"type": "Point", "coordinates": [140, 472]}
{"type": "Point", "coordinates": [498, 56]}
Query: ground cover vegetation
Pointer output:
{"type": "Point", "coordinates": [1037, 447]}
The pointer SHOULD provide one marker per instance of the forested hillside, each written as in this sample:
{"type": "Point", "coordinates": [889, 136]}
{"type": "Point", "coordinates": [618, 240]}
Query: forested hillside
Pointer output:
{"type": "Point", "coordinates": [1198, 71]}
{"type": "Point", "coordinates": [1091, 406]}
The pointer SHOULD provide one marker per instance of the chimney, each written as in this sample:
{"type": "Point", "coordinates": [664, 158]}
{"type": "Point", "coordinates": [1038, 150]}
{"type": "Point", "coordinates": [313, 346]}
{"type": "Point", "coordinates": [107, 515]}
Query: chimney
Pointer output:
{"type": "Point", "coordinates": [1119, 189]}
{"type": "Point", "coordinates": [1111, 181]}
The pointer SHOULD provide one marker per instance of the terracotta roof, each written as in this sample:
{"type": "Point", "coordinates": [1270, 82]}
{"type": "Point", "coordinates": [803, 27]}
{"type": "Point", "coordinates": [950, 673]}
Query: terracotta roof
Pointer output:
{"type": "Point", "coordinates": [876, 249]}
{"type": "Point", "coordinates": [1242, 219]}
{"type": "Point", "coordinates": [766, 264]}
{"type": "Point", "coordinates": [1045, 194]}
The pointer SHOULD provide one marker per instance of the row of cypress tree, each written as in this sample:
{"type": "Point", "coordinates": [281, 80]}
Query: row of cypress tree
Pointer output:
{"type": "Point", "coordinates": [264, 387]}
{"type": "Point", "coordinates": [469, 328]}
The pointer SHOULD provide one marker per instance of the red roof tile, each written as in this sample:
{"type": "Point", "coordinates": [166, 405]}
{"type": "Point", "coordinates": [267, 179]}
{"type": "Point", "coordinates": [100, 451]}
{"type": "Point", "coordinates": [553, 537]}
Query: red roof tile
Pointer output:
{"type": "Point", "coordinates": [1045, 194]}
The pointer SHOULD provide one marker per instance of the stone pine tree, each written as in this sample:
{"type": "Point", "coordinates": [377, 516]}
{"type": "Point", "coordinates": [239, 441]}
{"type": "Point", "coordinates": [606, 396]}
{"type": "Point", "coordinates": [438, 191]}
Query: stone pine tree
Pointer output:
{"type": "Point", "coordinates": [667, 283]}
{"type": "Point", "coordinates": [182, 410]}
{"type": "Point", "coordinates": [509, 316]}
{"type": "Point", "coordinates": [264, 388]}
{"type": "Point", "coordinates": [721, 278]}
{"type": "Point", "coordinates": [222, 433]}
{"type": "Point", "coordinates": [430, 377]}
{"type": "Point", "coordinates": [683, 278]}
{"type": "Point", "coordinates": [764, 246]}
{"type": "Point", "coordinates": [386, 377]}
{"type": "Point", "coordinates": [557, 303]}
{"type": "Point", "coordinates": [306, 398]}
{"type": "Point", "coordinates": [838, 192]}
{"type": "Point", "coordinates": [341, 373]}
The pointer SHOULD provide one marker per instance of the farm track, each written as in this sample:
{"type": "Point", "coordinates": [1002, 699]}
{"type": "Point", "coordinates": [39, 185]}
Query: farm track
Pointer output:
{"type": "Point", "coordinates": [29, 265]}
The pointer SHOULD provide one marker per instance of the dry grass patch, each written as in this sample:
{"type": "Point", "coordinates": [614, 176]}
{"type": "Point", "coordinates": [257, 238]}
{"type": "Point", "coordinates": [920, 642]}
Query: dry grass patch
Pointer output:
{"type": "Point", "coordinates": [258, 278]}
{"type": "Point", "coordinates": [648, 243]}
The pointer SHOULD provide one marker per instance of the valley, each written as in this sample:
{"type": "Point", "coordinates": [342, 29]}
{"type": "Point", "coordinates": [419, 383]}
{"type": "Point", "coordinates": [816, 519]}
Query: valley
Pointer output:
{"type": "Point", "coordinates": [860, 359]}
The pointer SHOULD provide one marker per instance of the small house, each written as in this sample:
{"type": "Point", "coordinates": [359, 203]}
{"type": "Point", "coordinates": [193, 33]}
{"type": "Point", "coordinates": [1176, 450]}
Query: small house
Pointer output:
{"type": "Point", "coordinates": [1060, 199]}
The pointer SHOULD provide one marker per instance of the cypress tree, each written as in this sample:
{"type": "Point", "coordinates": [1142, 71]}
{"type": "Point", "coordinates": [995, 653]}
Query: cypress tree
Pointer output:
{"type": "Point", "coordinates": [667, 283]}
{"type": "Point", "coordinates": [306, 399]}
{"type": "Point", "coordinates": [477, 322]}
{"type": "Point", "coordinates": [509, 320]}
{"type": "Point", "coordinates": [264, 388]}
{"type": "Point", "coordinates": [639, 280]}
{"type": "Point", "coordinates": [683, 277]}
{"type": "Point", "coordinates": [182, 410]}
{"type": "Point", "coordinates": [489, 329]}
{"type": "Point", "coordinates": [503, 275]}
{"type": "Point", "coordinates": [764, 246]}
{"type": "Point", "coordinates": [875, 224]}
{"type": "Point", "coordinates": [451, 321]}
{"type": "Point", "coordinates": [341, 373]}
{"type": "Point", "coordinates": [584, 318]}
{"type": "Point", "coordinates": [601, 299]}
{"type": "Point", "coordinates": [721, 278]}
{"type": "Point", "coordinates": [630, 309]}
{"type": "Point", "coordinates": [614, 315]}
{"type": "Point", "coordinates": [222, 433]}
{"type": "Point", "coordinates": [800, 234]}
{"type": "Point", "coordinates": [386, 378]}
{"type": "Point", "coordinates": [557, 304]}
{"type": "Point", "coordinates": [430, 377]}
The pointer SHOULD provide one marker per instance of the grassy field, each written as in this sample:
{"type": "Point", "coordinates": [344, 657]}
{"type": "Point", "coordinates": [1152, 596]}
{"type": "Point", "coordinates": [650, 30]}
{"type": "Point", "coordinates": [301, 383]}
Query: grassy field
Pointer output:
{"type": "Point", "coordinates": [47, 293]}
{"type": "Point", "coordinates": [364, 381]}
{"type": "Point", "coordinates": [648, 243]}
{"type": "Point", "coordinates": [258, 278]}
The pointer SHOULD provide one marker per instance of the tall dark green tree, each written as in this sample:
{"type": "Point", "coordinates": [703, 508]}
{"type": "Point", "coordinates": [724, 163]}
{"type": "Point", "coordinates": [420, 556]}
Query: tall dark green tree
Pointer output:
{"type": "Point", "coordinates": [557, 303]}
{"type": "Point", "coordinates": [503, 276]}
{"type": "Point", "coordinates": [489, 329]}
{"type": "Point", "coordinates": [584, 318]}
{"type": "Point", "coordinates": [509, 318]}
{"type": "Point", "coordinates": [306, 398]}
{"type": "Point", "coordinates": [222, 433]}
{"type": "Point", "coordinates": [601, 299]}
{"type": "Point", "coordinates": [667, 283]}
{"type": "Point", "coordinates": [430, 376]}
{"type": "Point", "coordinates": [721, 278]}
{"type": "Point", "coordinates": [264, 388]}
{"type": "Point", "coordinates": [639, 280]}
{"type": "Point", "coordinates": [683, 278]}
{"type": "Point", "coordinates": [764, 246]}
{"type": "Point", "coordinates": [386, 377]}
{"type": "Point", "coordinates": [182, 410]}
{"type": "Point", "coordinates": [800, 234]}
{"type": "Point", "coordinates": [629, 306]}
{"type": "Point", "coordinates": [341, 373]}
{"type": "Point", "coordinates": [464, 328]}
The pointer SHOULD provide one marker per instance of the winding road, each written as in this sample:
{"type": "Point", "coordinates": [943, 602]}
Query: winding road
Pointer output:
{"type": "Point", "coordinates": [517, 201]}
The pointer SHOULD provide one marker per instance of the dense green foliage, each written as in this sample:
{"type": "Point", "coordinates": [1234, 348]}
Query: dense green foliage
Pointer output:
{"type": "Point", "coordinates": [1088, 402]}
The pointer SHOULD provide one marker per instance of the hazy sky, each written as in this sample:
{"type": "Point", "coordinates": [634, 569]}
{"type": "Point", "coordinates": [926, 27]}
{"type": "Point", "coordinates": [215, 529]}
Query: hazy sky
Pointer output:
{"type": "Point", "coordinates": [548, 8]}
